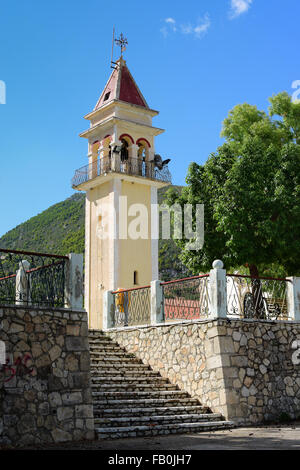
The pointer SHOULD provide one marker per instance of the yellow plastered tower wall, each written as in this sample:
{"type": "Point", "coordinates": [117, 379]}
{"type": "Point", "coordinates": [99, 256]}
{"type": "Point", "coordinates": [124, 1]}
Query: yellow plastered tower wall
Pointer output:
{"type": "Point", "coordinates": [120, 169]}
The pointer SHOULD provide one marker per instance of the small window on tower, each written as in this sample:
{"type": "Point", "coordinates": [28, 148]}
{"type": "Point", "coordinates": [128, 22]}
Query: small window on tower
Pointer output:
{"type": "Point", "coordinates": [106, 96]}
{"type": "Point", "coordinates": [135, 278]}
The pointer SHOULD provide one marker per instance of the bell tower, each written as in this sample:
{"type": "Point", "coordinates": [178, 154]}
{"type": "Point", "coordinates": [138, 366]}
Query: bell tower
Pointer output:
{"type": "Point", "coordinates": [121, 180]}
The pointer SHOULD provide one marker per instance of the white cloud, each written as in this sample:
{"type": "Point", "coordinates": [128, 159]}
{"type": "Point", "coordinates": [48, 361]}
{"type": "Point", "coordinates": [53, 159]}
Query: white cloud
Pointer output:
{"type": "Point", "coordinates": [238, 7]}
{"type": "Point", "coordinates": [170, 25]}
{"type": "Point", "coordinates": [197, 30]}
{"type": "Point", "coordinates": [202, 26]}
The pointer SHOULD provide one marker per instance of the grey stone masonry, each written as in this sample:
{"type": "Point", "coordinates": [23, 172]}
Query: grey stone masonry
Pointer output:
{"type": "Point", "coordinates": [45, 383]}
{"type": "Point", "coordinates": [247, 370]}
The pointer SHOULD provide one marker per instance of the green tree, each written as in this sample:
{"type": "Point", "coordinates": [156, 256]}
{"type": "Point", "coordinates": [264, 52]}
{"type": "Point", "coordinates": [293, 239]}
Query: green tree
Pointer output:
{"type": "Point", "coordinates": [250, 188]}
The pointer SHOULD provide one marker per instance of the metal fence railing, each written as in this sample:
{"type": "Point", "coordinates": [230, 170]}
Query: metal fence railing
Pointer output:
{"type": "Point", "coordinates": [186, 299]}
{"type": "Point", "coordinates": [131, 166]}
{"type": "Point", "coordinates": [261, 298]}
{"type": "Point", "coordinates": [203, 297]}
{"type": "Point", "coordinates": [28, 278]}
{"type": "Point", "coordinates": [131, 306]}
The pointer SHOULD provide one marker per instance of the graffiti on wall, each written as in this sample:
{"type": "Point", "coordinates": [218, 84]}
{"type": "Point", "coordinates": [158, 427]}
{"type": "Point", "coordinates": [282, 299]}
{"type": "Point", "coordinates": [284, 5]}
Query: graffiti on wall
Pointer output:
{"type": "Point", "coordinates": [19, 367]}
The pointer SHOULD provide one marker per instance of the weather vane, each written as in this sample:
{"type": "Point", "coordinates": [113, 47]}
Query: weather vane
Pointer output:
{"type": "Point", "coordinates": [122, 42]}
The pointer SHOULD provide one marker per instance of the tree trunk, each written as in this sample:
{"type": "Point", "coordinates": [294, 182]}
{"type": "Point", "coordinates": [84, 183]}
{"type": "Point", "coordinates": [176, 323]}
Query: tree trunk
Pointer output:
{"type": "Point", "coordinates": [258, 303]}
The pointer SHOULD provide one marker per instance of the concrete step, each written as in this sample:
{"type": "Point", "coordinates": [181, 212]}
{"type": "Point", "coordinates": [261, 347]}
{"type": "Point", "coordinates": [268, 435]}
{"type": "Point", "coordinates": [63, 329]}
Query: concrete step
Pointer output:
{"type": "Point", "coordinates": [100, 338]}
{"type": "Point", "coordinates": [126, 395]}
{"type": "Point", "coordinates": [149, 411]}
{"type": "Point", "coordinates": [129, 379]}
{"type": "Point", "coordinates": [111, 353]}
{"type": "Point", "coordinates": [131, 374]}
{"type": "Point", "coordinates": [107, 346]}
{"type": "Point", "coordinates": [104, 343]}
{"type": "Point", "coordinates": [98, 335]}
{"type": "Point", "coordinates": [104, 402]}
{"type": "Point", "coordinates": [113, 359]}
{"type": "Point", "coordinates": [121, 372]}
{"type": "Point", "coordinates": [125, 387]}
{"type": "Point", "coordinates": [115, 363]}
{"type": "Point", "coordinates": [155, 419]}
{"type": "Point", "coordinates": [119, 366]}
{"type": "Point", "coordinates": [95, 331]}
{"type": "Point", "coordinates": [153, 430]}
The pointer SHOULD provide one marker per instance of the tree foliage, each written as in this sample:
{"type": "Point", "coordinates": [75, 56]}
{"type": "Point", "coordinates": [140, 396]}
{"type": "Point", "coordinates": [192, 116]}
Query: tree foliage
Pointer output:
{"type": "Point", "coordinates": [250, 188]}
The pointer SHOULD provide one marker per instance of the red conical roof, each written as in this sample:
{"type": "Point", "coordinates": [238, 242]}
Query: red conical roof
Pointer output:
{"type": "Point", "coordinates": [121, 86]}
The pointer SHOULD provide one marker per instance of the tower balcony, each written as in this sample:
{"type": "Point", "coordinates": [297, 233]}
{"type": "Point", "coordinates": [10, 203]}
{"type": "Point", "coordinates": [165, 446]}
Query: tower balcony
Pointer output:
{"type": "Point", "coordinates": [131, 167]}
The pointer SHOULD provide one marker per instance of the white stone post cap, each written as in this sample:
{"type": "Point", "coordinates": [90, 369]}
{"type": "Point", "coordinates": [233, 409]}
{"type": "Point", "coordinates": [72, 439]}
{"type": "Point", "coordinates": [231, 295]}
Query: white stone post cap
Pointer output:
{"type": "Point", "coordinates": [218, 264]}
{"type": "Point", "coordinates": [24, 264]}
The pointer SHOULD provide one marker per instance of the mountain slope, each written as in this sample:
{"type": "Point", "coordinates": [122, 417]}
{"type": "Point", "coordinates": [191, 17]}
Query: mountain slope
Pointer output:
{"type": "Point", "coordinates": [60, 230]}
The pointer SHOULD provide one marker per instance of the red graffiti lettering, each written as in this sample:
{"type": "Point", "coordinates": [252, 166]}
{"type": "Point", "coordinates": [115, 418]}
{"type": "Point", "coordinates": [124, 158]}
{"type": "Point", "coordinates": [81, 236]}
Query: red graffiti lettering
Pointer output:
{"type": "Point", "coordinates": [18, 367]}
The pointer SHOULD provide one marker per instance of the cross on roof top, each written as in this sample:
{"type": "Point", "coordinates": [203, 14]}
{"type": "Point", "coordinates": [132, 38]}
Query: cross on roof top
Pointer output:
{"type": "Point", "coordinates": [122, 42]}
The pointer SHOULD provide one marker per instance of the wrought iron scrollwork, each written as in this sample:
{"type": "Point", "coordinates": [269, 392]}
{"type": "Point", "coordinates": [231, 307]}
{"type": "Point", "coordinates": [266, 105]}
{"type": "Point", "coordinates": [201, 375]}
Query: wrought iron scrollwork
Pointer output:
{"type": "Point", "coordinates": [132, 307]}
{"type": "Point", "coordinates": [187, 299]}
{"type": "Point", "coordinates": [28, 278]}
{"type": "Point", "coordinates": [248, 306]}
{"type": "Point", "coordinates": [116, 164]}
{"type": "Point", "coordinates": [260, 298]}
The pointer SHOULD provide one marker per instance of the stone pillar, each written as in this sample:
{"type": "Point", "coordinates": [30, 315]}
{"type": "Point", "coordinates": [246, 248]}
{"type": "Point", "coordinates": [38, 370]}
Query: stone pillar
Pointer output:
{"type": "Point", "coordinates": [102, 163]}
{"type": "Point", "coordinates": [108, 310]}
{"type": "Point", "coordinates": [218, 290]}
{"type": "Point", "coordinates": [93, 160]}
{"type": "Point", "coordinates": [293, 298]}
{"type": "Point", "coordinates": [134, 159]}
{"type": "Point", "coordinates": [157, 303]}
{"type": "Point", "coordinates": [150, 166]}
{"type": "Point", "coordinates": [115, 157]}
{"type": "Point", "coordinates": [74, 282]}
{"type": "Point", "coordinates": [105, 159]}
{"type": "Point", "coordinates": [23, 283]}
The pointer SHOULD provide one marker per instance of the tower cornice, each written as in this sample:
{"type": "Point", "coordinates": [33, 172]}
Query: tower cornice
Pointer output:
{"type": "Point", "coordinates": [122, 104]}
{"type": "Point", "coordinates": [115, 120]}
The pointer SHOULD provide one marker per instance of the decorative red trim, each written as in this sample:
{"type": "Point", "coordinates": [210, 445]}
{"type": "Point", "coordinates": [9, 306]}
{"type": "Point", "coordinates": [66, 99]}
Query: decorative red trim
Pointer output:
{"type": "Point", "coordinates": [184, 279]}
{"type": "Point", "coordinates": [130, 290]}
{"type": "Point", "coordinates": [8, 277]}
{"type": "Point", "coordinates": [145, 140]}
{"type": "Point", "coordinates": [255, 277]}
{"type": "Point", "coordinates": [31, 270]}
{"type": "Point", "coordinates": [17, 252]}
{"type": "Point", "coordinates": [126, 135]}
{"type": "Point", "coordinates": [108, 135]}
{"type": "Point", "coordinates": [95, 146]}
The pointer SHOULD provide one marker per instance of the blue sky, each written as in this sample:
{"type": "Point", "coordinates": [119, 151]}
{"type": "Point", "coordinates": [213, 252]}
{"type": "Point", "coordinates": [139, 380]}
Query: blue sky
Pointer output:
{"type": "Point", "coordinates": [193, 61]}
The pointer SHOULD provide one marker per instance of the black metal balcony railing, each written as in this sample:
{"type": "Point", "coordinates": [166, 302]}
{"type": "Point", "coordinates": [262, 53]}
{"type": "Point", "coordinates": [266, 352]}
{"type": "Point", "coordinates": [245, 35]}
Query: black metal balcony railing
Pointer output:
{"type": "Point", "coordinates": [132, 166]}
{"type": "Point", "coordinates": [28, 278]}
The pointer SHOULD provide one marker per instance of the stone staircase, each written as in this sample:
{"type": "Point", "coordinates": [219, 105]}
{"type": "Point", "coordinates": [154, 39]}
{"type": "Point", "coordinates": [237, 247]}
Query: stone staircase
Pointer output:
{"type": "Point", "coordinates": [132, 400]}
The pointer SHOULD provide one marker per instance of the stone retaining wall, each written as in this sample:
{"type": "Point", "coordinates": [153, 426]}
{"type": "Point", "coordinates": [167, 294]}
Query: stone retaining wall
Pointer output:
{"type": "Point", "coordinates": [45, 390]}
{"type": "Point", "coordinates": [240, 368]}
